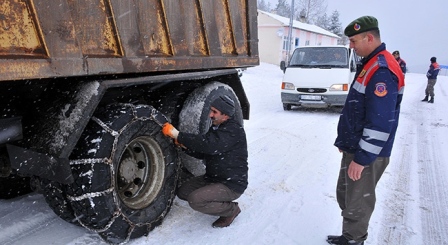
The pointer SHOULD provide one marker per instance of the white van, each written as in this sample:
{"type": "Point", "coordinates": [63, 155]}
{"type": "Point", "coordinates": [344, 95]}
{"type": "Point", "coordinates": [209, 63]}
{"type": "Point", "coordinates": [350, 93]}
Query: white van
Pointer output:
{"type": "Point", "coordinates": [318, 76]}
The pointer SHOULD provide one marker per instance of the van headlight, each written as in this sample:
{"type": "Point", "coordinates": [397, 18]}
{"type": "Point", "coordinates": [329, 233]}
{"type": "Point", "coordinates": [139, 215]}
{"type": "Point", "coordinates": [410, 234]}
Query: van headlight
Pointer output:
{"type": "Point", "coordinates": [288, 86]}
{"type": "Point", "coordinates": [339, 87]}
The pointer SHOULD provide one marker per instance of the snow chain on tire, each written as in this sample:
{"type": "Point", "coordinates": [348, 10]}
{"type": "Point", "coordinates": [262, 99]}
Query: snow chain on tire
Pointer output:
{"type": "Point", "coordinates": [125, 173]}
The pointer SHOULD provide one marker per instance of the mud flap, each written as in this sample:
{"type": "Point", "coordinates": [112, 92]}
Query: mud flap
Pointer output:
{"type": "Point", "coordinates": [29, 163]}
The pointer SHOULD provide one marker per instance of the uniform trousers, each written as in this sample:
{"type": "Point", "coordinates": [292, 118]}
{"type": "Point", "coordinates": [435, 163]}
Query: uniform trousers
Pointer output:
{"type": "Point", "coordinates": [357, 198]}
{"type": "Point", "coordinates": [429, 91]}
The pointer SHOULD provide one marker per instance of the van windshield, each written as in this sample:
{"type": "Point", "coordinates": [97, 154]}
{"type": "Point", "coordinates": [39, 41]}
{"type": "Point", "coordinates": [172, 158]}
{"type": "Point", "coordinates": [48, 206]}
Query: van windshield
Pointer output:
{"type": "Point", "coordinates": [325, 57]}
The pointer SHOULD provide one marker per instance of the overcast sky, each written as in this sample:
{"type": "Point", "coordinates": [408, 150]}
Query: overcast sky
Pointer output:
{"type": "Point", "coordinates": [418, 29]}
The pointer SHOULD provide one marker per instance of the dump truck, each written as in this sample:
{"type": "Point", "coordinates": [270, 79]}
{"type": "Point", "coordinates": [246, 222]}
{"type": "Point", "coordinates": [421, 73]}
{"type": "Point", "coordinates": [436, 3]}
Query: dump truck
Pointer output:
{"type": "Point", "coordinates": [85, 87]}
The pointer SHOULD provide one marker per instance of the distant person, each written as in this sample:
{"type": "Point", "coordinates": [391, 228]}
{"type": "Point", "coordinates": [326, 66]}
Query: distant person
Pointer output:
{"type": "Point", "coordinates": [366, 129]}
{"type": "Point", "coordinates": [224, 149]}
{"type": "Point", "coordinates": [400, 61]}
{"type": "Point", "coordinates": [432, 73]}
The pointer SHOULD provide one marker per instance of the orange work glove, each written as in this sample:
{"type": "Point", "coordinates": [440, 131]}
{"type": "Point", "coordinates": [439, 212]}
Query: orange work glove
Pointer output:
{"type": "Point", "coordinates": [169, 130]}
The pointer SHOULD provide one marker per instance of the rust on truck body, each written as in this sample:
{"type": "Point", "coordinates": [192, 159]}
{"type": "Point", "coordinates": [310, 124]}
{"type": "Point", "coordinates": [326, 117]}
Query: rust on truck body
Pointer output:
{"type": "Point", "coordinates": [44, 39]}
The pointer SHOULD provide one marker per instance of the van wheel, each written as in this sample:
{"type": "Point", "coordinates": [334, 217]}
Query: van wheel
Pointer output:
{"type": "Point", "coordinates": [125, 173]}
{"type": "Point", "coordinates": [194, 117]}
{"type": "Point", "coordinates": [286, 107]}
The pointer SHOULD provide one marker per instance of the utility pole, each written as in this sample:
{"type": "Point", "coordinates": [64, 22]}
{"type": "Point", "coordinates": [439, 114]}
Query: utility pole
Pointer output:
{"type": "Point", "coordinates": [291, 21]}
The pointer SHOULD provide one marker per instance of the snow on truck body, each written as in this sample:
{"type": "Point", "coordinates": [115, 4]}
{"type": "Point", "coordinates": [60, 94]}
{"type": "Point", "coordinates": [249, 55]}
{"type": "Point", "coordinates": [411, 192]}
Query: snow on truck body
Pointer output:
{"type": "Point", "coordinates": [85, 85]}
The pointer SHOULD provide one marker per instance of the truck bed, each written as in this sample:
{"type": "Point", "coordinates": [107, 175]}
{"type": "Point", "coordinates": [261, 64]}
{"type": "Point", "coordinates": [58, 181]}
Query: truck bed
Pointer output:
{"type": "Point", "coordinates": [68, 38]}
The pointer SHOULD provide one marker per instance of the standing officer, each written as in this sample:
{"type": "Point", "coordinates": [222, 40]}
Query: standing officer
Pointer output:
{"type": "Point", "coordinates": [400, 61]}
{"type": "Point", "coordinates": [366, 129]}
{"type": "Point", "coordinates": [432, 73]}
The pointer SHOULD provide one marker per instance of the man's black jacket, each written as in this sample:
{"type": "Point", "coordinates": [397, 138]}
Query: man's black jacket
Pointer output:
{"type": "Point", "coordinates": [224, 149]}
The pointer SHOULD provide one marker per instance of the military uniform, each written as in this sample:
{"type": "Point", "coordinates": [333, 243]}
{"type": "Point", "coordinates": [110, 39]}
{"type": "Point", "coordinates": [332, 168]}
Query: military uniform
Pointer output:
{"type": "Point", "coordinates": [432, 73]}
{"type": "Point", "coordinates": [366, 132]}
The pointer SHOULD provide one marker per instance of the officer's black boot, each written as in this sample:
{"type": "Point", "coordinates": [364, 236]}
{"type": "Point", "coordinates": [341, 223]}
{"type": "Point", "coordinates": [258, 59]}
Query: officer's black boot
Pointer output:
{"type": "Point", "coordinates": [426, 98]}
{"type": "Point", "coordinates": [431, 100]}
{"type": "Point", "coordinates": [341, 240]}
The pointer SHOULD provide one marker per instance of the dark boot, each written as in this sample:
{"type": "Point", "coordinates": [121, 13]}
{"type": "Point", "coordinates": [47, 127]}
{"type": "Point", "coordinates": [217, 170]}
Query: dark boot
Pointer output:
{"type": "Point", "coordinates": [342, 240]}
{"type": "Point", "coordinates": [431, 100]}
{"type": "Point", "coordinates": [426, 98]}
{"type": "Point", "coordinates": [226, 221]}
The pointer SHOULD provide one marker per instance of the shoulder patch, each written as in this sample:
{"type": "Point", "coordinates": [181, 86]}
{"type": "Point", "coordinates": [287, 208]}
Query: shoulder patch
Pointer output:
{"type": "Point", "coordinates": [380, 89]}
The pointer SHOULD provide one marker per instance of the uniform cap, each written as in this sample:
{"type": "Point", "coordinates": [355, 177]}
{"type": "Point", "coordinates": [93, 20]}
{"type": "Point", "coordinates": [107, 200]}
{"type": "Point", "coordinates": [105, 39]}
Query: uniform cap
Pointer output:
{"type": "Point", "coordinates": [396, 52]}
{"type": "Point", "coordinates": [360, 25]}
{"type": "Point", "coordinates": [433, 59]}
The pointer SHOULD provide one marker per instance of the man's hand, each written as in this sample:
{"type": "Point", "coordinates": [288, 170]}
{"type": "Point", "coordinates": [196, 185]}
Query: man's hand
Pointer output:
{"type": "Point", "coordinates": [169, 130]}
{"type": "Point", "coordinates": [354, 171]}
{"type": "Point", "coordinates": [179, 144]}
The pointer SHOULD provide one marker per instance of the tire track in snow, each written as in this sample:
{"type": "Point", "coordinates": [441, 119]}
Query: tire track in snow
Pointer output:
{"type": "Point", "coordinates": [419, 187]}
{"type": "Point", "coordinates": [399, 200]}
{"type": "Point", "coordinates": [26, 228]}
{"type": "Point", "coordinates": [29, 220]}
{"type": "Point", "coordinates": [433, 181]}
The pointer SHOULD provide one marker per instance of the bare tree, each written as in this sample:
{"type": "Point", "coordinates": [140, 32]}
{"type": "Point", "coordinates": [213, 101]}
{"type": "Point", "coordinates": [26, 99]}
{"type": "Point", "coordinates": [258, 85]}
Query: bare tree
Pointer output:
{"type": "Point", "coordinates": [323, 21]}
{"type": "Point", "coordinates": [283, 8]}
{"type": "Point", "coordinates": [311, 9]}
{"type": "Point", "coordinates": [262, 5]}
{"type": "Point", "coordinates": [311, 12]}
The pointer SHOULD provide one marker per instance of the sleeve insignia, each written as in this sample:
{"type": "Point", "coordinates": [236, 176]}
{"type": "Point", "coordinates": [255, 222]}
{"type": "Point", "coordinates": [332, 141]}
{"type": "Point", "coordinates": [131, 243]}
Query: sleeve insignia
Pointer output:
{"type": "Point", "coordinates": [380, 89]}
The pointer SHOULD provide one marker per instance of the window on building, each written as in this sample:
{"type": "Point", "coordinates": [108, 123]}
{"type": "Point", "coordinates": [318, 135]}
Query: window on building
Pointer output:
{"type": "Point", "coordinates": [307, 42]}
{"type": "Point", "coordinates": [285, 42]}
{"type": "Point", "coordinates": [296, 42]}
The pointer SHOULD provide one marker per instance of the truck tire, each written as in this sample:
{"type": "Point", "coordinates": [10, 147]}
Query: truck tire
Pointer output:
{"type": "Point", "coordinates": [125, 173]}
{"type": "Point", "coordinates": [194, 117]}
{"type": "Point", "coordinates": [57, 200]}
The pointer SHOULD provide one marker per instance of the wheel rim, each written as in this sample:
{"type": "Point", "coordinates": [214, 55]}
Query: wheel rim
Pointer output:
{"type": "Point", "coordinates": [140, 173]}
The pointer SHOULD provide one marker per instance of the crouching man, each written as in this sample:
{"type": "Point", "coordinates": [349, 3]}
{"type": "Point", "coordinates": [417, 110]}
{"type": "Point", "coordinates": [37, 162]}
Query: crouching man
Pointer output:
{"type": "Point", "coordinates": [224, 150]}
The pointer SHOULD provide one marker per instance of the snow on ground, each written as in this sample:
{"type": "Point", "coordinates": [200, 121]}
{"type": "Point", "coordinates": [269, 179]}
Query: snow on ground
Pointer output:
{"type": "Point", "coordinates": [292, 178]}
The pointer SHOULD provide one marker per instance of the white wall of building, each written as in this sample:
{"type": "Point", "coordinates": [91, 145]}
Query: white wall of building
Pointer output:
{"type": "Point", "coordinates": [274, 29]}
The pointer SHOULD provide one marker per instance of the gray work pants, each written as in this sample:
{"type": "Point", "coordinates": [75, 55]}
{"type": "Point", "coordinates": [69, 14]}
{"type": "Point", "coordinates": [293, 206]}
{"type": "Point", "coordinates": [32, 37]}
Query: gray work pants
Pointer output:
{"type": "Point", "coordinates": [429, 91]}
{"type": "Point", "coordinates": [208, 198]}
{"type": "Point", "coordinates": [357, 198]}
